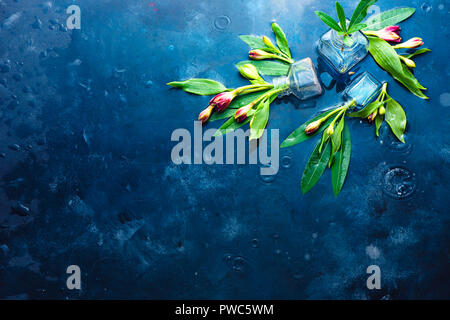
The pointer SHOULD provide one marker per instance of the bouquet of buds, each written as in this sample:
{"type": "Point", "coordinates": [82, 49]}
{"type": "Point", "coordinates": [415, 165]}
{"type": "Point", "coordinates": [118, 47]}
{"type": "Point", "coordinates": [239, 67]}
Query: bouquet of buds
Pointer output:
{"type": "Point", "coordinates": [250, 103]}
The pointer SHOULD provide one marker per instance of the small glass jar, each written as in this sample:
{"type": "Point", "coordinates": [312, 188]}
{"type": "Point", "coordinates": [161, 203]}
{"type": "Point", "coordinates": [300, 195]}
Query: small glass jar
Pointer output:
{"type": "Point", "coordinates": [340, 56]}
{"type": "Point", "coordinates": [363, 89]}
{"type": "Point", "coordinates": [301, 81]}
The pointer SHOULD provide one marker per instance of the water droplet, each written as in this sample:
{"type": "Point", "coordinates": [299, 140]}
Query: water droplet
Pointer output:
{"type": "Point", "coordinates": [426, 7]}
{"type": "Point", "coordinates": [255, 243]}
{"type": "Point", "coordinates": [222, 22]}
{"type": "Point", "coordinates": [393, 143]}
{"type": "Point", "coordinates": [14, 147]}
{"type": "Point", "coordinates": [239, 264]}
{"type": "Point", "coordinates": [441, 7]}
{"type": "Point", "coordinates": [286, 162]}
{"type": "Point", "coordinates": [315, 235]}
{"type": "Point", "coordinates": [171, 47]}
{"type": "Point", "coordinates": [149, 84]}
{"type": "Point", "coordinates": [307, 257]}
{"type": "Point", "coordinates": [20, 209]}
{"type": "Point", "coordinates": [399, 183]}
{"type": "Point", "coordinates": [268, 179]}
{"type": "Point", "coordinates": [277, 251]}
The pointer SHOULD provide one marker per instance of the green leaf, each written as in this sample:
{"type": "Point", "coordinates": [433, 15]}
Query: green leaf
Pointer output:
{"type": "Point", "coordinates": [388, 18]}
{"type": "Point", "coordinates": [259, 121]}
{"type": "Point", "coordinates": [378, 122]}
{"type": "Point", "coordinates": [336, 139]}
{"type": "Point", "coordinates": [357, 27]}
{"type": "Point", "coordinates": [368, 110]}
{"type": "Point", "coordinates": [299, 135]}
{"type": "Point", "coordinates": [281, 39]}
{"type": "Point", "coordinates": [245, 99]}
{"type": "Point", "coordinates": [341, 163]}
{"type": "Point", "coordinates": [315, 167]}
{"type": "Point", "coordinates": [253, 42]}
{"type": "Point", "coordinates": [385, 55]}
{"type": "Point", "coordinates": [268, 68]}
{"type": "Point", "coordinates": [388, 59]}
{"type": "Point", "coordinates": [201, 87]}
{"type": "Point", "coordinates": [360, 12]}
{"type": "Point", "coordinates": [415, 53]}
{"type": "Point", "coordinates": [395, 118]}
{"type": "Point", "coordinates": [410, 82]}
{"type": "Point", "coordinates": [328, 21]}
{"type": "Point", "coordinates": [341, 16]}
{"type": "Point", "coordinates": [231, 124]}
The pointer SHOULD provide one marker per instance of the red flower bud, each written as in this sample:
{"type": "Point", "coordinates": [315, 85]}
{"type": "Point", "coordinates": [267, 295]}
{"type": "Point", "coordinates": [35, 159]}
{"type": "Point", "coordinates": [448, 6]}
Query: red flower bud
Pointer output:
{"type": "Point", "coordinates": [241, 113]}
{"type": "Point", "coordinates": [389, 34]}
{"type": "Point", "coordinates": [205, 114]}
{"type": "Point", "coordinates": [222, 100]}
{"type": "Point", "coordinates": [372, 116]}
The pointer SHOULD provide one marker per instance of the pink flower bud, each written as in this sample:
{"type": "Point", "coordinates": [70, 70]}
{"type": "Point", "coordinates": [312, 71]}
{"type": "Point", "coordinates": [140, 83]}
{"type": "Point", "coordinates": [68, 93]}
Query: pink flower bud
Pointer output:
{"type": "Point", "coordinates": [205, 114]}
{"type": "Point", "coordinates": [313, 127]}
{"type": "Point", "coordinates": [241, 113]}
{"type": "Point", "coordinates": [389, 34]}
{"type": "Point", "coordinates": [222, 100]}
{"type": "Point", "coordinates": [259, 54]}
{"type": "Point", "coordinates": [410, 44]}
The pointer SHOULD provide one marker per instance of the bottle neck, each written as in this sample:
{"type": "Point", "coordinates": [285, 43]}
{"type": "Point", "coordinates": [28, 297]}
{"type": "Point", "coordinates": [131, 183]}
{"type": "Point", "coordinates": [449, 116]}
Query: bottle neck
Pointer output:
{"type": "Point", "coordinates": [282, 83]}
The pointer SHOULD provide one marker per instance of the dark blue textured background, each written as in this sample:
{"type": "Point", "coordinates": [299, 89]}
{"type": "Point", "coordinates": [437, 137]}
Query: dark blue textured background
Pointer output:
{"type": "Point", "coordinates": [93, 117]}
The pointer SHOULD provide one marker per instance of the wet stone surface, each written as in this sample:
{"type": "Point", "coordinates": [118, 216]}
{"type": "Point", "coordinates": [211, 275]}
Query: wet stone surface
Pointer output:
{"type": "Point", "coordinates": [86, 176]}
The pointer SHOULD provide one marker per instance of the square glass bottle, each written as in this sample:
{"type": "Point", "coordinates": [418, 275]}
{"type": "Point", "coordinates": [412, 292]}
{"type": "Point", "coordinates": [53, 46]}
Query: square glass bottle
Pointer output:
{"type": "Point", "coordinates": [301, 81]}
{"type": "Point", "coordinates": [340, 56]}
{"type": "Point", "coordinates": [363, 89]}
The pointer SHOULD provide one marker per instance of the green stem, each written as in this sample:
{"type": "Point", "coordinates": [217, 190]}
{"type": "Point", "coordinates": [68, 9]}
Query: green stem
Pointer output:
{"type": "Point", "coordinates": [252, 88]}
{"type": "Point", "coordinates": [288, 60]}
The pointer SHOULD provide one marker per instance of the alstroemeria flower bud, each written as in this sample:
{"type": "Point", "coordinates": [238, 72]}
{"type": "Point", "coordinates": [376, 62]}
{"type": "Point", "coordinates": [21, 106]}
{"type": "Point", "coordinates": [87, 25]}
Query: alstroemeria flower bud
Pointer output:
{"type": "Point", "coordinates": [205, 114]}
{"type": "Point", "coordinates": [382, 110]}
{"type": "Point", "coordinates": [313, 126]}
{"type": "Point", "coordinates": [389, 34]}
{"type": "Point", "coordinates": [330, 130]}
{"type": "Point", "coordinates": [222, 100]}
{"type": "Point", "coordinates": [259, 54]}
{"type": "Point", "coordinates": [372, 116]}
{"type": "Point", "coordinates": [408, 62]}
{"type": "Point", "coordinates": [249, 71]}
{"type": "Point", "coordinates": [268, 43]}
{"type": "Point", "coordinates": [241, 113]}
{"type": "Point", "coordinates": [410, 44]}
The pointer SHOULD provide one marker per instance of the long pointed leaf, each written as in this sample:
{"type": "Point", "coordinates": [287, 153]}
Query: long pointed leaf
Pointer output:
{"type": "Point", "coordinates": [268, 68]}
{"type": "Point", "coordinates": [341, 16]}
{"type": "Point", "coordinates": [360, 12]}
{"type": "Point", "coordinates": [328, 20]}
{"type": "Point", "coordinates": [396, 118]}
{"type": "Point", "coordinates": [315, 166]}
{"type": "Point", "coordinates": [388, 18]}
{"type": "Point", "coordinates": [201, 87]}
{"type": "Point", "coordinates": [341, 163]}
{"type": "Point", "coordinates": [299, 135]}
{"type": "Point", "coordinates": [281, 39]}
